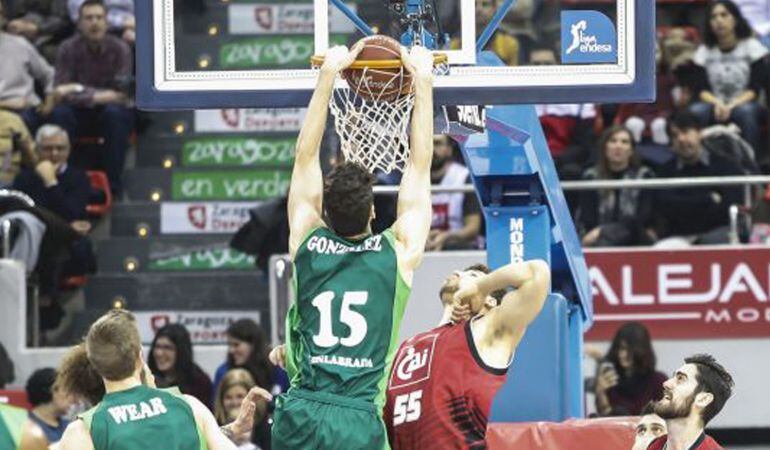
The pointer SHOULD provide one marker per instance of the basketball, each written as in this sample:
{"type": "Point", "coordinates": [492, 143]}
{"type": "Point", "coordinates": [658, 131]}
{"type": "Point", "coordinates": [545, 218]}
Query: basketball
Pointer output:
{"type": "Point", "coordinates": [379, 84]}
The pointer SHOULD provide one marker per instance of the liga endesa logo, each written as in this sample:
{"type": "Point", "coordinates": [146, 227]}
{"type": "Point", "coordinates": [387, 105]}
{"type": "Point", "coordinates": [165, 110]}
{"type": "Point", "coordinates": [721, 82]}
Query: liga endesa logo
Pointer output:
{"type": "Point", "coordinates": [708, 293]}
{"type": "Point", "coordinates": [587, 37]}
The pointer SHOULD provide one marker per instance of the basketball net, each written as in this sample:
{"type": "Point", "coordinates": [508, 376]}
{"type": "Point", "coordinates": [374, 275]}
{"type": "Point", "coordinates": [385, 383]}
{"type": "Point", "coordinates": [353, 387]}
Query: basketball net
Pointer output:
{"type": "Point", "coordinates": [373, 126]}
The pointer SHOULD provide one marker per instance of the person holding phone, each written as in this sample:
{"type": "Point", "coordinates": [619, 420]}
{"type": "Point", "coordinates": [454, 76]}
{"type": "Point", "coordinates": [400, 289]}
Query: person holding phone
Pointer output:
{"type": "Point", "coordinates": [627, 380]}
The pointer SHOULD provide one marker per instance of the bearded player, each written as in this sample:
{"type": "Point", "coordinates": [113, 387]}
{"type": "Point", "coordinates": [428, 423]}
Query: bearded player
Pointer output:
{"type": "Point", "coordinates": [691, 398]}
{"type": "Point", "coordinates": [350, 286]}
{"type": "Point", "coordinates": [443, 381]}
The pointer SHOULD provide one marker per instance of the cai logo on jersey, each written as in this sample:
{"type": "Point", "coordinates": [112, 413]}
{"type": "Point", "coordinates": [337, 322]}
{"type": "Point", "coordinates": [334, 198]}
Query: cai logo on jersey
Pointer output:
{"type": "Point", "coordinates": [413, 361]}
{"type": "Point", "coordinates": [587, 37]}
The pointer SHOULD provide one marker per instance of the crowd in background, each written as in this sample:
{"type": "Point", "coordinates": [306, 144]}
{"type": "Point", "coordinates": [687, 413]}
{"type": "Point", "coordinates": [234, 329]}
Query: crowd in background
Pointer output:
{"type": "Point", "coordinates": [709, 119]}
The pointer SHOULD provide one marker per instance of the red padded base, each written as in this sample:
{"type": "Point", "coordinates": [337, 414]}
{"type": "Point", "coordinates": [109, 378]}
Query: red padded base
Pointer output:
{"type": "Point", "coordinates": [613, 433]}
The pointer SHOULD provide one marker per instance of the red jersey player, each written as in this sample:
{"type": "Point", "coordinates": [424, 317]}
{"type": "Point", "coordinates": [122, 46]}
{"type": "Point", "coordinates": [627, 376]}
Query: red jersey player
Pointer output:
{"type": "Point", "coordinates": [443, 381]}
{"type": "Point", "coordinates": [691, 398]}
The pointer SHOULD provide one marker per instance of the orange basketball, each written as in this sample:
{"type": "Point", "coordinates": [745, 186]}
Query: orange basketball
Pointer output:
{"type": "Point", "coordinates": [379, 84]}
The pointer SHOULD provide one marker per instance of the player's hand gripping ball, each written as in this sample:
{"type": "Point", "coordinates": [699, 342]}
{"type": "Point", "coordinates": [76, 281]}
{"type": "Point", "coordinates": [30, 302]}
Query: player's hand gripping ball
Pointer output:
{"type": "Point", "coordinates": [338, 58]}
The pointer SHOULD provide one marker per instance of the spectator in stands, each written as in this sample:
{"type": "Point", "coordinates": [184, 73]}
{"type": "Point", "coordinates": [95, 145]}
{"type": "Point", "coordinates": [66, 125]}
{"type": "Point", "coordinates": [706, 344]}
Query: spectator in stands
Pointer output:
{"type": "Point", "coordinates": [649, 119]}
{"type": "Point", "coordinates": [248, 349]}
{"type": "Point", "coordinates": [627, 380]}
{"type": "Point", "coordinates": [171, 361]}
{"type": "Point", "coordinates": [567, 127]}
{"type": "Point", "coordinates": [64, 190]}
{"type": "Point", "coordinates": [49, 404]}
{"type": "Point", "coordinates": [43, 22]}
{"type": "Point", "coordinates": [758, 15]}
{"type": "Point", "coordinates": [696, 214]}
{"type": "Point", "coordinates": [731, 70]}
{"type": "Point", "coordinates": [53, 183]}
{"type": "Point", "coordinates": [120, 16]}
{"type": "Point", "coordinates": [650, 427]}
{"type": "Point", "coordinates": [613, 217]}
{"type": "Point", "coordinates": [93, 75]}
{"type": "Point", "coordinates": [502, 43]}
{"type": "Point", "coordinates": [456, 215]}
{"type": "Point", "coordinates": [23, 66]}
{"type": "Point", "coordinates": [16, 147]}
{"type": "Point", "coordinates": [233, 389]}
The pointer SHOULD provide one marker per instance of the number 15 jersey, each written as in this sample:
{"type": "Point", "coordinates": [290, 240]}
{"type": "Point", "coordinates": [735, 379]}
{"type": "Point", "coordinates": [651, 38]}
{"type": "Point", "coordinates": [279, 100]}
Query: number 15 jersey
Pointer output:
{"type": "Point", "coordinates": [342, 329]}
{"type": "Point", "coordinates": [440, 392]}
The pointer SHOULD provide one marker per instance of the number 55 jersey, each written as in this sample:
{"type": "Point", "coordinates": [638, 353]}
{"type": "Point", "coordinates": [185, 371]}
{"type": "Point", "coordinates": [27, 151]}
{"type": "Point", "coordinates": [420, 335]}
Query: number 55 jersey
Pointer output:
{"type": "Point", "coordinates": [440, 391]}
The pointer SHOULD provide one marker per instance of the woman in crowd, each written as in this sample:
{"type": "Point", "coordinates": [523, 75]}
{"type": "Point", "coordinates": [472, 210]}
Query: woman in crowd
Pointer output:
{"type": "Point", "coordinates": [730, 69]}
{"type": "Point", "coordinates": [234, 387]}
{"type": "Point", "coordinates": [616, 216]}
{"type": "Point", "coordinates": [171, 362]}
{"type": "Point", "coordinates": [247, 349]}
{"type": "Point", "coordinates": [627, 379]}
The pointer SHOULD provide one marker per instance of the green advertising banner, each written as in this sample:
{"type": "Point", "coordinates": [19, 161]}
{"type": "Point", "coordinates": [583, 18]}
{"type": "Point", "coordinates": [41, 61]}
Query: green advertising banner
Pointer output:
{"type": "Point", "coordinates": [238, 151]}
{"type": "Point", "coordinates": [204, 259]}
{"type": "Point", "coordinates": [272, 52]}
{"type": "Point", "coordinates": [248, 185]}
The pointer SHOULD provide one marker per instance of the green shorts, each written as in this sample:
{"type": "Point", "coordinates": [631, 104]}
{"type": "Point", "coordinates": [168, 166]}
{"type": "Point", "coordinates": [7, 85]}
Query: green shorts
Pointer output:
{"type": "Point", "coordinates": [306, 420]}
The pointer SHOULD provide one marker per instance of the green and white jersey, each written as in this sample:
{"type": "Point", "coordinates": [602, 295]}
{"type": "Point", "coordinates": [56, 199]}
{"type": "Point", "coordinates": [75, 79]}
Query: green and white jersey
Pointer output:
{"type": "Point", "coordinates": [342, 329]}
{"type": "Point", "coordinates": [142, 418]}
{"type": "Point", "coordinates": [11, 425]}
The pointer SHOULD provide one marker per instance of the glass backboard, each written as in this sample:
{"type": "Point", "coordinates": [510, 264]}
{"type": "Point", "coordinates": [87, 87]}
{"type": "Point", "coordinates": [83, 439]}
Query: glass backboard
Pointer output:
{"type": "Point", "coordinates": [252, 53]}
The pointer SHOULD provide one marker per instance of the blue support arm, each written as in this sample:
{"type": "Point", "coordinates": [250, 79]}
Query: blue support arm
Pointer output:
{"type": "Point", "coordinates": [360, 24]}
{"type": "Point", "coordinates": [493, 24]}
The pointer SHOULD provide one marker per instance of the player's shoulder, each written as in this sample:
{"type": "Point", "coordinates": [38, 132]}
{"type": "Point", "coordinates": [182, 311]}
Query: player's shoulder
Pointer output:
{"type": "Point", "coordinates": [443, 328]}
{"type": "Point", "coordinates": [658, 443]}
{"type": "Point", "coordinates": [76, 437]}
{"type": "Point", "coordinates": [709, 443]}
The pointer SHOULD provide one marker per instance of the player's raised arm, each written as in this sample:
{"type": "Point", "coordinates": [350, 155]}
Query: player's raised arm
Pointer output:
{"type": "Point", "coordinates": [506, 323]}
{"type": "Point", "coordinates": [414, 206]}
{"type": "Point", "coordinates": [306, 190]}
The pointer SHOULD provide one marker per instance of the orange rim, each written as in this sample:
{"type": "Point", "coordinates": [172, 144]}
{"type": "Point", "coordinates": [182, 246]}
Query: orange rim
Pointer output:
{"type": "Point", "coordinates": [438, 58]}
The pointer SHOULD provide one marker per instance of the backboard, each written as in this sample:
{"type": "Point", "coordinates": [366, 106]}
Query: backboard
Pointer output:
{"type": "Point", "coordinates": [255, 53]}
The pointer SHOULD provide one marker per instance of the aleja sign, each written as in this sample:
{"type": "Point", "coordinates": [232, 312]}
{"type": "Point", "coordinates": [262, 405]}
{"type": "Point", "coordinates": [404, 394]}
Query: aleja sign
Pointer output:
{"type": "Point", "coordinates": [682, 294]}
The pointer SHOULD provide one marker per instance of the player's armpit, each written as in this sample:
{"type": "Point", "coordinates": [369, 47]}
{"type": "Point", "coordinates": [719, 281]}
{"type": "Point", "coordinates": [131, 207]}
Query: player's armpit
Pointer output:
{"type": "Point", "coordinates": [76, 437]}
{"type": "Point", "coordinates": [509, 321]}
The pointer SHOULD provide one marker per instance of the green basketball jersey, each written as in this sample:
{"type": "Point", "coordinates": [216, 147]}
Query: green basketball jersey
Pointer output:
{"type": "Point", "coordinates": [342, 329]}
{"type": "Point", "coordinates": [11, 424]}
{"type": "Point", "coordinates": [142, 418]}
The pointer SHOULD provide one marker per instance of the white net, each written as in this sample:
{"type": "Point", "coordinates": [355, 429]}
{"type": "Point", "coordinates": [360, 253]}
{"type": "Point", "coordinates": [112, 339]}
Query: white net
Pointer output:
{"type": "Point", "coordinates": [372, 120]}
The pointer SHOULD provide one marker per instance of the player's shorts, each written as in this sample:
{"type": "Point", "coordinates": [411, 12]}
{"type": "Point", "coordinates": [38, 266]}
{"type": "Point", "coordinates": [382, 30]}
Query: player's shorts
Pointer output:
{"type": "Point", "coordinates": [315, 420]}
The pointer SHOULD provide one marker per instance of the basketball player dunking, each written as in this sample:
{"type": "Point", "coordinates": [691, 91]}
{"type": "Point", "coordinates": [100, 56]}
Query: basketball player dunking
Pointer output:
{"type": "Point", "coordinates": [350, 286]}
{"type": "Point", "coordinates": [443, 381]}
{"type": "Point", "coordinates": [133, 415]}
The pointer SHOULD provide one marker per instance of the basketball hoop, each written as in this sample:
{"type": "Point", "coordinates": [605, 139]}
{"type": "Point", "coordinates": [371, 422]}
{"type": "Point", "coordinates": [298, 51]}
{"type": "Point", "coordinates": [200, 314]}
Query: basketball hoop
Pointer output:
{"type": "Point", "coordinates": [371, 114]}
